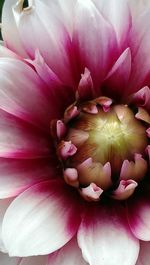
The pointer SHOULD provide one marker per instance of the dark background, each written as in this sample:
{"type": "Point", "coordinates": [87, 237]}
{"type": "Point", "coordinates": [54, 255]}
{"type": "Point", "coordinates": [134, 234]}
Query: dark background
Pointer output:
{"type": "Point", "coordinates": [1, 4]}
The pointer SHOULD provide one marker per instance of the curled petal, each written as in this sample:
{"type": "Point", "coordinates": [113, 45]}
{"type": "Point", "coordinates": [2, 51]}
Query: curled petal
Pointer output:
{"type": "Point", "coordinates": [66, 149]}
{"type": "Point", "coordinates": [143, 115]}
{"type": "Point", "coordinates": [125, 189]}
{"type": "Point", "coordinates": [77, 137]}
{"type": "Point", "coordinates": [142, 98]}
{"type": "Point", "coordinates": [90, 172]}
{"type": "Point", "coordinates": [85, 89]}
{"type": "Point", "coordinates": [134, 170]}
{"type": "Point", "coordinates": [91, 193]}
{"type": "Point", "coordinates": [71, 177]}
{"type": "Point", "coordinates": [70, 113]}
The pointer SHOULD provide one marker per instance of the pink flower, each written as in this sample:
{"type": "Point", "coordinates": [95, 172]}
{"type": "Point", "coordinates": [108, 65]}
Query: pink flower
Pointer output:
{"type": "Point", "coordinates": [74, 132]}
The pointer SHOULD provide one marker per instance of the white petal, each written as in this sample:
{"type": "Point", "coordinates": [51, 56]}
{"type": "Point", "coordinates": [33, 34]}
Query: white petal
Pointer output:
{"type": "Point", "coordinates": [105, 238]}
{"type": "Point", "coordinates": [9, 29]}
{"type": "Point", "coordinates": [118, 14]}
{"type": "Point", "coordinates": [40, 220]}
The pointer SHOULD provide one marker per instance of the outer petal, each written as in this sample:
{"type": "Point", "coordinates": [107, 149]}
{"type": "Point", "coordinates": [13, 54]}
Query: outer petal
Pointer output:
{"type": "Point", "coordinates": [16, 92]}
{"type": "Point", "coordinates": [44, 218]}
{"type": "Point", "coordinates": [144, 256]}
{"type": "Point", "coordinates": [139, 217]}
{"type": "Point", "coordinates": [18, 175]}
{"type": "Point", "coordinates": [70, 254]}
{"type": "Point", "coordinates": [118, 14]}
{"type": "Point", "coordinates": [39, 23]}
{"type": "Point", "coordinates": [105, 238]}
{"type": "Point", "coordinates": [140, 49]}
{"type": "Point", "coordinates": [19, 140]}
{"type": "Point", "coordinates": [95, 47]}
{"type": "Point", "coordinates": [9, 29]}
{"type": "Point", "coordinates": [6, 260]}
{"type": "Point", "coordinates": [63, 9]}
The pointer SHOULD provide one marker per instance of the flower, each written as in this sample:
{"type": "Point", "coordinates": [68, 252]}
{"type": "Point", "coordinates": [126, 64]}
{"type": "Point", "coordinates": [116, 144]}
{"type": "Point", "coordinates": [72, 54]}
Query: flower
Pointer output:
{"type": "Point", "coordinates": [74, 132]}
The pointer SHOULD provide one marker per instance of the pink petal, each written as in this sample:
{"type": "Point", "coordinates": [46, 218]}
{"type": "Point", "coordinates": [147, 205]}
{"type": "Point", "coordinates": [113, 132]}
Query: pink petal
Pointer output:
{"type": "Point", "coordinates": [142, 98]}
{"type": "Point", "coordinates": [4, 204]}
{"type": "Point", "coordinates": [118, 76]}
{"type": "Point", "coordinates": [139, 217]}
{"type": "Point", "coordinates": [118, 14]}
{"type": "Point", "coordinates": [144, 255]}
{"type": "Point", "coordinates": [95, 47]}
{"type": "Point", "coordinates": [59, 95]}
{"type": "Point", "coordinates": [16, 92]}
{"type": "Point", "coordinates": [6, 260]}
{"type": "Point", "coordinates": [105, 237]}
{"type": "Point", "coordinates": [19, 140]}
{"type": "Point", "coordinates": [18, 175]}
{"type": "Point", "coordinates": [44, 218]}
{"type": "Point", "coordinates": [70, 254]}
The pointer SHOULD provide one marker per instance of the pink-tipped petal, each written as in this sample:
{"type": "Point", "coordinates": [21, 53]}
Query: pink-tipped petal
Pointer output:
{"type": "Point", "coordinates": [85, 89]}
{"type": "Point", "coordinates": [16, 91]}
{"type": "Point", "coordinates": [66, 149]}
{"type": "Point", "coordinates": [70, 113]}
{"type": "Point", "coordinates": [148, 132]}
{"type": "Point", "coordinates": [134, 170]}
{"type": "Point", "coordinates": [143, 115]}
{"type": "Point", "coordinates": [70, 254]}
{"type": "Point", "coordinates": [105, 102]}
{"type": "Point", "coordinates": [118, 77]}
{"type": "Point", "coordinates": [44, 217]}
{"type": "Point", "coordinates": [139, 216]}
{"type": "Point", "coordinates": [91, 193]}
{"type": "Point", "coordinates": [90, 108]}
{"type": "Point", "coordinates": [95, 48]}
{"type": "Point", "coordinates": [142, 98]}
{"type": "Point", "coordinates": [125, 189]}
{"type": "Point", "coordinates": [71, 177]}
{"type": "Point", "coordinates": [105, 238]}
{"type": "Point", "coordinates": [19, 140]}
{"type": "Point", "coordinates": [20, 174]}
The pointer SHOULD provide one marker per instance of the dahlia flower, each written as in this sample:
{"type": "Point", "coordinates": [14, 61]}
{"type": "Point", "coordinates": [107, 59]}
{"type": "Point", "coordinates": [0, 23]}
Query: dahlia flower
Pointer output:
{"type": "Point", "coordinates": [74, 132]}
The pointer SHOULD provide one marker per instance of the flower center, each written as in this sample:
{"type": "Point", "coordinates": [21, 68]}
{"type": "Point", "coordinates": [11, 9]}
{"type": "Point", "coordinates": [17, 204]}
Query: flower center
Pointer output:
{"type": "Point", "coordinates": [102, 149]}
